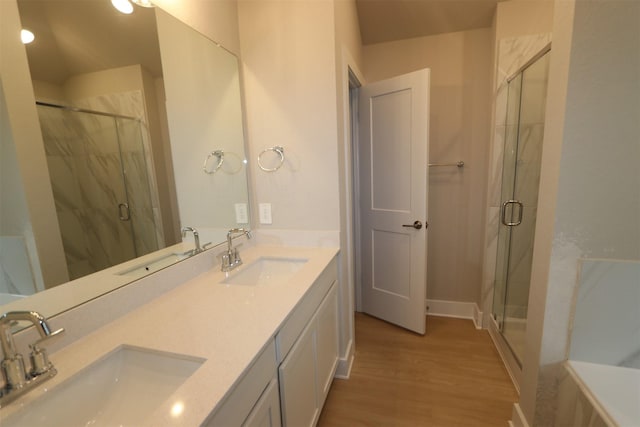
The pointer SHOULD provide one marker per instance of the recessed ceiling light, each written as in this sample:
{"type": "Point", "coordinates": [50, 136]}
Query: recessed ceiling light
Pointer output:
{"type": "Point", "coordinates": [123, 6]}
{"type": "Point", "coordinates": [143, 3]}
{"type": "Point", "coordinates": [26, 36]}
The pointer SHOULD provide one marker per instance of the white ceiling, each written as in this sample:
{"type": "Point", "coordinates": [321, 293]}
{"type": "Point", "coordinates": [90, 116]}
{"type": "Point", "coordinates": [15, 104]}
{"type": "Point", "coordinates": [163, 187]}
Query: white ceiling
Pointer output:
{"type": "Point", "coordinates": [389, 20]}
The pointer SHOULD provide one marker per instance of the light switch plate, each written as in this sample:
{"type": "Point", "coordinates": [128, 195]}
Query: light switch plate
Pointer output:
{"type": "Point", "coordinates": [242, 215]}
{"type": "Point", "coordinates": [265, 213]}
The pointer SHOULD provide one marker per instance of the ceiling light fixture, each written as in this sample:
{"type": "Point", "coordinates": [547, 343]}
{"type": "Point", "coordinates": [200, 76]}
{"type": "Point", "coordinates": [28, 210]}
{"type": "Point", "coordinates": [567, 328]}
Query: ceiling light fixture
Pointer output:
{"type": "Point", "coordinates": [26, 36]}
{"type": "Point", "coordinates": [123, 6]}
{"type": "Point", "coordinates": [143, 3]}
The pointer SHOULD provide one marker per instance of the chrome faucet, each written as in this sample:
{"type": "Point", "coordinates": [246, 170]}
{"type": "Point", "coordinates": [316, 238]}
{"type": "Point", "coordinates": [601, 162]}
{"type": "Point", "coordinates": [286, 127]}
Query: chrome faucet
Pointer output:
{"type": "Point", "coordinates": [17, 380]}
{"type": "Point", "coordinates": [196, 238]}
{"type": "Point", "coordinates": [231, 259]}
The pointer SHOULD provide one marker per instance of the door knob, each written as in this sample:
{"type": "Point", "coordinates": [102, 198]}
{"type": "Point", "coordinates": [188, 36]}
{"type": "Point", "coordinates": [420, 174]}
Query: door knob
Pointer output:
{"type": "Point", "coordinates": [416, 224]}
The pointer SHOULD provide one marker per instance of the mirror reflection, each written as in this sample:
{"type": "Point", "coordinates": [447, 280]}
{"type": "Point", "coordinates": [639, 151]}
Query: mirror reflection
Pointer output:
{"type": "Point", "coordinates": [141, 134]}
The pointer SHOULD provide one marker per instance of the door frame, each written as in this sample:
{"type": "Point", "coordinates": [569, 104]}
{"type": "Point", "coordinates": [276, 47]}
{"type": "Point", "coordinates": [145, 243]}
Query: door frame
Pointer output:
{"type": "Point", "coordinates": [349, 73]}
{"type": "Point", "coordinates": [354, 173]}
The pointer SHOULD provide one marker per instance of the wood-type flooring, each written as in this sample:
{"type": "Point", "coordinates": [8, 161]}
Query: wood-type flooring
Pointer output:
{"type": "Point", "coordinates": [452, 376]}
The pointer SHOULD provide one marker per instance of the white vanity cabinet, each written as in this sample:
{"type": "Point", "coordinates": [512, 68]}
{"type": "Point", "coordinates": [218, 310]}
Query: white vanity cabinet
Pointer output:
{"type": "Point", "coordinates": [288, 382]}
{"type": "Point", "coordinates": [307, 368]}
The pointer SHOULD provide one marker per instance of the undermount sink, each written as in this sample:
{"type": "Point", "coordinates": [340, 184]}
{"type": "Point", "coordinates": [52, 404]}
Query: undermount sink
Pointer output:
{"type": "Point", "coordinates": [266, 271]}
{"type": "Point", "coordinates": [153, 265]}
{"type": "Point", "coordinates": [123, 388]}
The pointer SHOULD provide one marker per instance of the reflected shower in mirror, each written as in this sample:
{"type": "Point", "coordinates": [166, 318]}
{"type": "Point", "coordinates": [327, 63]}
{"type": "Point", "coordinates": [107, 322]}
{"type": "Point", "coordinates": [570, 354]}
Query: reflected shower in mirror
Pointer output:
{"type": "Point", "coordinates": [128, 108]}
{"type": "Point", "coordinates": [101, 186]}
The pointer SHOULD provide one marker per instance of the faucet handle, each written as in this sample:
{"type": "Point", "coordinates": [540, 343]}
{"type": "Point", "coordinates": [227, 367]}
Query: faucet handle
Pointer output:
{"type": "Point", "coordinates": [40, 363]}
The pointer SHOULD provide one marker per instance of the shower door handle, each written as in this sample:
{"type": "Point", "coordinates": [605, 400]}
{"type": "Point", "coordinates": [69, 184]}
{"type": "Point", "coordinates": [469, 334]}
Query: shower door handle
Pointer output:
{"type": "Point", "coordinates": [123, 210]}
{"type": "Point", "coordinates": [503, 214]}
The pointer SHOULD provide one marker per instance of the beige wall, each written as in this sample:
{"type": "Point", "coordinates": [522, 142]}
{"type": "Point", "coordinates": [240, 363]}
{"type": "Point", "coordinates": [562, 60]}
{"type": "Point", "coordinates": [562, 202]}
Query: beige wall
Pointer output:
{"type": "Point", "coordinates": [288, 56]}
{"type": "Point", "coordinates": [205, 114]}
{"type": "Point", "coordinates": [521, 17]}
{"type": "Point", "coordinates": [30, 154]}
{"type": "Point", "coordinates": [460, 66]}
{"type": "Point", "coordinates": [216, 19]}
{"type": "Point", "coordinates": [114, 80]}
{"type": "Point", "coordinates": [162, 164]}
{"type": "Point", "coordinates": [14, 214]}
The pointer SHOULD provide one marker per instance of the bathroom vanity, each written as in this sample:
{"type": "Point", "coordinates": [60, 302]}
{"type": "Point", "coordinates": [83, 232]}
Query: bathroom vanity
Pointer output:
{"type": "Point", "coordinates": [261, 343]}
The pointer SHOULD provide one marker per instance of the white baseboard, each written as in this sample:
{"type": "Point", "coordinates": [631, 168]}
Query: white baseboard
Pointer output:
{"type": "Point", "coordinates": [345, 363]}
{"type": "Point", "coordinates": [517, 417]}
{"type": "Point", "coordinates": [462, 310]}
{"type": "Point", "coordinates": [477, 316]}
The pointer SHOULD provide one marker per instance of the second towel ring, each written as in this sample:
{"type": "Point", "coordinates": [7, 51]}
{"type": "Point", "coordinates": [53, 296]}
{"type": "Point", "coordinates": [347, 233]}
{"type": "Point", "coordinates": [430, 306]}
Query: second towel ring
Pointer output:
{"type": "Point", "coordinates": [217, 153]}
{"type": "Point", "coordinates": [276, 149]}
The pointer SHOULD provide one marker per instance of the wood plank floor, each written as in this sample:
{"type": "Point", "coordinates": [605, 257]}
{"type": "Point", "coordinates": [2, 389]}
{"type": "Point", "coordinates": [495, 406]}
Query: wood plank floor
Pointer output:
{"type": "Point", "coordinates": [452, 376]}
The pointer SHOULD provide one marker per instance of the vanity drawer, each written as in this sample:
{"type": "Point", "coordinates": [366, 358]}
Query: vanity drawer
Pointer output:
{"type": "Point", "coordinates": [302, 313]}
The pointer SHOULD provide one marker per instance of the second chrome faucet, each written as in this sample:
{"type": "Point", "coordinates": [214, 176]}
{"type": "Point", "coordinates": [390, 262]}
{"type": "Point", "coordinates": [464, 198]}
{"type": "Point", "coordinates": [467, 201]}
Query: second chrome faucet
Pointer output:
{"type": "Point", "coordinates": [196, 239]}
{"type": "Point", "coordinates": [231, 259]}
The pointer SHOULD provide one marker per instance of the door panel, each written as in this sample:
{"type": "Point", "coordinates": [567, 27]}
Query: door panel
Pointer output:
{"type": "Point", "coordinates": [393, 278]}
{"type": "Point", "coordinates": [391, 152]}
{"type": "Point", "coordinates": [393, 158]}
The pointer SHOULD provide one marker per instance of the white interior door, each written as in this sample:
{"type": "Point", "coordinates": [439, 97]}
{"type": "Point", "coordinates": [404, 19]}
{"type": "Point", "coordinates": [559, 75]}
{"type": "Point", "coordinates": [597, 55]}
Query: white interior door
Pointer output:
{"type": "Point", "coordinates": [393, 161]}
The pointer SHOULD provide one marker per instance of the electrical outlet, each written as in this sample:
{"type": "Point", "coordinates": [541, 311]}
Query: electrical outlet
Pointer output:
{"type": "Point", "coordinates": [265, 213]}
{"type": "Point", "coordinates": [242, 215]}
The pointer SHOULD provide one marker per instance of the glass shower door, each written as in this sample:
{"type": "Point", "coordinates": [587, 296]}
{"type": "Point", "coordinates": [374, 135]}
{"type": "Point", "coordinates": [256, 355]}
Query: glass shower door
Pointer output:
{"type": "Point", "coordinates": [519, 195]}
{"type": "Point", "coordinates": [101, 187]}
{"type": "Point", "coordinates": [133, 157]}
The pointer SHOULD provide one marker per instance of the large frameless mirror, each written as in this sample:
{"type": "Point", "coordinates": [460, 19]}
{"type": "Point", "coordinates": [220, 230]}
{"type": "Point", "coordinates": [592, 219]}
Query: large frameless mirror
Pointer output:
{"type": "Point", "coordinates": [133, 131]}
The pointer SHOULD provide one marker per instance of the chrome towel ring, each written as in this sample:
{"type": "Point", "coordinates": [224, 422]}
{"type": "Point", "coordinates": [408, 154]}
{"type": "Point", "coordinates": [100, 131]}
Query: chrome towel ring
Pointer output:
{"type": "Point", "coordinates": [276, 149]}
{"type": "Point", "coordinates": [219, 154]}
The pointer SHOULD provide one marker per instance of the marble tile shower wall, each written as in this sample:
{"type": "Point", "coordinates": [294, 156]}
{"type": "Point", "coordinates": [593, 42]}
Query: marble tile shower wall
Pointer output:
{"type": "Point", "coordinates": [132, 104]}
{"type": "Point", "coordinates": [85, 167]}
{"type": "Point", "coordinates": [513, 53]}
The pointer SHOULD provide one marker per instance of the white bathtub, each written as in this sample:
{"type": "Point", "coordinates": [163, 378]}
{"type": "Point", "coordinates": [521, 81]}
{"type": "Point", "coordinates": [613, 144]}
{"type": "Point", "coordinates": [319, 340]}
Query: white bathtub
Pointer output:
{"type": "Point", "coordinates": [613, 390]}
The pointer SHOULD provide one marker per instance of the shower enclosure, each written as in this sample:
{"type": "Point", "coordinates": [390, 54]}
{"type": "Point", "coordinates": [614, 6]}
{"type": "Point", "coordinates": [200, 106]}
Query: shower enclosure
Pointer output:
{"type": "Point", "coordinates": [101, 187]}
{"type": "Point", "coordinates": [519, 196]}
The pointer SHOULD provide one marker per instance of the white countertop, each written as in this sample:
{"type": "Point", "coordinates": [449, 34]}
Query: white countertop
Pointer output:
{"type": "Point", "coordinates": [228, 325]}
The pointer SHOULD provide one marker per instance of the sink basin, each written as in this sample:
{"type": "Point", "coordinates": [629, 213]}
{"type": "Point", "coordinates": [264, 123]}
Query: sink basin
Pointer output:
{"type": "Point", "coordinates": [266, 271]}
{"type": "Point", "coordinates": [153, 265]}
{"type": "Point", "coordinates": [122, 388]}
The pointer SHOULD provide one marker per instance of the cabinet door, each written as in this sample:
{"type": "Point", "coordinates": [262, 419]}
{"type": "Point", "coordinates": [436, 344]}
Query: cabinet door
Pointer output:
{"type": "Point", "coordinates": [327, 343]}
{"type": "Point", "coordinates": [297, 375]}
{"type": "Point", "coordinates": [250, 389]}
{"type": "Point", "coordinates": [266, 413]}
